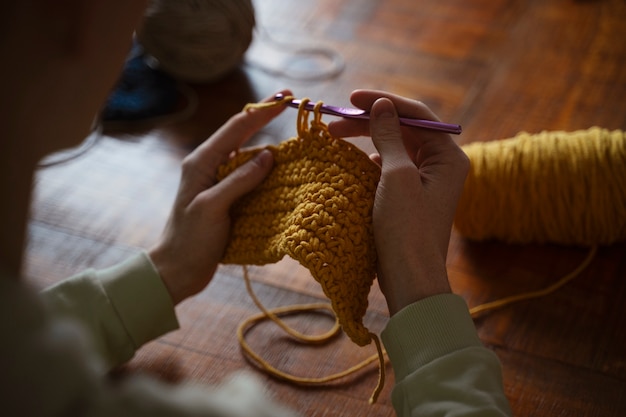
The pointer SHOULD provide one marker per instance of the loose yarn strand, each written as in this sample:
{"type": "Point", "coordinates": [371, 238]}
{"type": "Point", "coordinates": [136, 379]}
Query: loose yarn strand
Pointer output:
{"type": "Point", "coordinates": [267, 104]}
{"type": "Point", "coordinates": [536, 294]}
{"type": "Point", "coordinates": [297, 308]}
{"type": "Point", "coordinates": [273, 315]}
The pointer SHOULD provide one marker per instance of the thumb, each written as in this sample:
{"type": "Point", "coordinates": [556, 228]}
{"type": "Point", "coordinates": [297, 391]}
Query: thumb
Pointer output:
{"type": "Point", "coordinates": [245, 178]}
{"type": "Point", "coordinates": [386, 134]}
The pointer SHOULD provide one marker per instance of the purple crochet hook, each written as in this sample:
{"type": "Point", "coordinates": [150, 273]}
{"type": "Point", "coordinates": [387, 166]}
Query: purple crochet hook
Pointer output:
{"type": "Point", "coordinates": [362, 114]}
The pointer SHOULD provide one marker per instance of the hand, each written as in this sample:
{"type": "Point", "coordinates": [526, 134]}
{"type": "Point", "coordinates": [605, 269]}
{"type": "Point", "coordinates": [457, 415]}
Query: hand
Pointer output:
{"type": "Point", "coordinates": [198, 229]}
{"type": "Point", "coordinates": [423, 173]}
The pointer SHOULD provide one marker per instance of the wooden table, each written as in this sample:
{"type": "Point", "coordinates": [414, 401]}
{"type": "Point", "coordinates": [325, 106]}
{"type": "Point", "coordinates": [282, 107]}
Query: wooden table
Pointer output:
{"type": "Point", "coordinates": [497, 67]}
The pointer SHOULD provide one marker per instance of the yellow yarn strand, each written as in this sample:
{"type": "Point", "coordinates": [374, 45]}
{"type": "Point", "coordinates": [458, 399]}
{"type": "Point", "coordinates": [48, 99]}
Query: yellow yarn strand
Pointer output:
{"type": "Point", "coordinates": [267, 104]}
{"type": "Point", "coordinates": [273, 315]}
{"type": "Point", "coordinates": [270, 314]}
{"type": "Point", "coordinates": [535, 294]}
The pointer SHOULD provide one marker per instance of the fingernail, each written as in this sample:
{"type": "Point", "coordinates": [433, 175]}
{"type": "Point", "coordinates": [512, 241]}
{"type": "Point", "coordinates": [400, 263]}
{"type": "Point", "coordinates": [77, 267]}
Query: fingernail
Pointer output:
{"type": "Point", "coordinates": [383, 108]}
{"type": "Point", "coordinates": [264, 158]}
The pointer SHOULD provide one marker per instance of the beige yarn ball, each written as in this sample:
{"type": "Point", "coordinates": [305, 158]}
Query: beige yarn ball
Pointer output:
{"type": "Point", "coordinates": [197, 40]}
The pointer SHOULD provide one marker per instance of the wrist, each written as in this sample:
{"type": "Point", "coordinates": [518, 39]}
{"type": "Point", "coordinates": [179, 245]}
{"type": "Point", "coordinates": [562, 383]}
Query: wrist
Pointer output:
{"type": "Point", "coordinates": [408, 285]}
{"type": "Point", "coordinates": [160, 261]}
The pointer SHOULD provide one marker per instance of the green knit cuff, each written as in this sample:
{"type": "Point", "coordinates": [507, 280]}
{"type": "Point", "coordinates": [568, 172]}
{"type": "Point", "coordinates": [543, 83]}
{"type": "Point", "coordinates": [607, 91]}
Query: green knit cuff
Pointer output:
{"type": "Point", "coordinates": [426, 330]}
{"type": "Point", "coordinates": [140, 298]}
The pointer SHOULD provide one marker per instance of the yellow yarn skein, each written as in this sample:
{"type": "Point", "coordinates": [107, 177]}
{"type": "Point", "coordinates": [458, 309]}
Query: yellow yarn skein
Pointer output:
{"type": "Point", "coordinates": [557, 187]}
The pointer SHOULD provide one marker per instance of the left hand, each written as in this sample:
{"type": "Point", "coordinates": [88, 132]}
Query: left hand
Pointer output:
{"type": "Point", "coordinates": [198, 229]}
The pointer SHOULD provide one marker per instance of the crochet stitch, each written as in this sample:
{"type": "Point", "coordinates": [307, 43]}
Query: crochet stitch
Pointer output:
{"type": "Point", "coordinates": [316, 207]}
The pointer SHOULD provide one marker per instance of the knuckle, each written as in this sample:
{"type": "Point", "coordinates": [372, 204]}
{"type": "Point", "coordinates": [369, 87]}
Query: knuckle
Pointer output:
{"type": "Point", "coordinates": [187, 163]}
{"type": "Point", "coordinates": [463, 161]}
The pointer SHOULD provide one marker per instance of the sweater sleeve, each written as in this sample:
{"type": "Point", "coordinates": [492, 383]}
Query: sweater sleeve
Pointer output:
{"type": "Point", "coordinates": [48, 370]}
{"type": "Point", "coordinates": [440, 364]}
{"type": "Point", "coordinates": [121, 307]}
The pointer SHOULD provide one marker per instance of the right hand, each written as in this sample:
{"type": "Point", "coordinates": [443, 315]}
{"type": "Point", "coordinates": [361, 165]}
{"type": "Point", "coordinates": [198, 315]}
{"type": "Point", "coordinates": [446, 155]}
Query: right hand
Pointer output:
{"type": "Point", "coordinates": [423, 173]}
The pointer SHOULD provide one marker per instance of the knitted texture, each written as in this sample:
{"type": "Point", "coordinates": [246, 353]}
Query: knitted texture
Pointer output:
{"type": "Point", "coordinates": [316, 207]}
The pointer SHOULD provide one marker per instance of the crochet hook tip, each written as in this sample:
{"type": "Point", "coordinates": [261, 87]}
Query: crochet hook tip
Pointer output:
{"type": "Point", "coordinates": [362, 114]}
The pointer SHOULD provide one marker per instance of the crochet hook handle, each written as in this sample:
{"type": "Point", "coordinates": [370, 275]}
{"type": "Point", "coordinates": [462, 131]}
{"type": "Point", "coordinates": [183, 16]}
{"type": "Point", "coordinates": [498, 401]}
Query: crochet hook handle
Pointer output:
{"type": "Point", "coordinates": [362, 114]}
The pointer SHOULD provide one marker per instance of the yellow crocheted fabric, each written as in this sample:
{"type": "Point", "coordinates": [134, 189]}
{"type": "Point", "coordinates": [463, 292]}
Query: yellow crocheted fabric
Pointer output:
{"type": "Point", "coordinates": [316, 207]}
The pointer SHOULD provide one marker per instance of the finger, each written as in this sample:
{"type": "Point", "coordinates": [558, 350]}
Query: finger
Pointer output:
{"type": "Point", "coordinates": [406, 107]}
{"type": "Point", "coordinates": [386, 133]}
{"type": "Point", "coordinates": [236, 131]}
{"type": "Point", "coordinates": [375, 157]}
{"type": "Point", "coordinates": [200, 167]}
{"type": "Point", "coordinates": [349, 128]}
{"type": "Point", "coordinates": [365, 99]}
{"type": "Point", "coordinates": [430, 141]}
{"type": "Point", "coordinates": [241, 181]}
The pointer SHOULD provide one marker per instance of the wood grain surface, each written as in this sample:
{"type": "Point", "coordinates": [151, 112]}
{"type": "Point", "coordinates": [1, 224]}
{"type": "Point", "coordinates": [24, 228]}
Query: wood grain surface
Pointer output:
{"type": "Point", "coordinates": [495, 66]}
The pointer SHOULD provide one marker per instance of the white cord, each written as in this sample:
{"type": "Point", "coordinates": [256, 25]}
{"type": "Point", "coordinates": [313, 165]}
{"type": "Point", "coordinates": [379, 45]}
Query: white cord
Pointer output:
{"type": "Point", "coordinates": [335, 67]}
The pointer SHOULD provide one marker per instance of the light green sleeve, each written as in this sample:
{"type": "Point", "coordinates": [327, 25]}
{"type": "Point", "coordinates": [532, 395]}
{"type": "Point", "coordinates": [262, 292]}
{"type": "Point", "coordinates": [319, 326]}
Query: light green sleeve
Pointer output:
{"type": "Point", "coordinates": [48, 370]}
{"type": "Point", "coordinates": [440, 364]}
{"type": "Point", "coordinates": [121, 307]}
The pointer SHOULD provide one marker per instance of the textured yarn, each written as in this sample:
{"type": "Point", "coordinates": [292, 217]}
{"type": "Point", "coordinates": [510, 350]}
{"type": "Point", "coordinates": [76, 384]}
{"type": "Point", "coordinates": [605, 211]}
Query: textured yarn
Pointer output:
{"type": "Point", "coordinates": [558, 187]}
{"type": "Point", "coordinates": [316, 207]}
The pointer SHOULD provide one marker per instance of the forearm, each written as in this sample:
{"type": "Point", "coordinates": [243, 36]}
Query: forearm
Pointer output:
{"type": "Point", "coordinates": [121, 307]}
{"type": "Point", "coordinates": [440, 365]}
